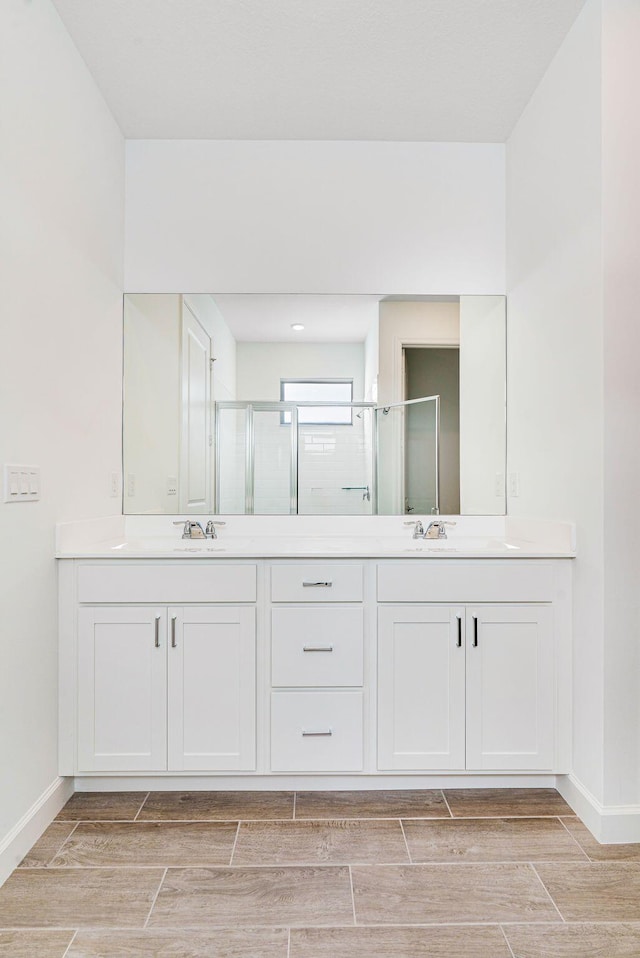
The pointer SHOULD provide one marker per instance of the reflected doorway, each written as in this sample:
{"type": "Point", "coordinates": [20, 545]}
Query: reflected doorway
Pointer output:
{"type": "Point", "coordinates": [432, 371]}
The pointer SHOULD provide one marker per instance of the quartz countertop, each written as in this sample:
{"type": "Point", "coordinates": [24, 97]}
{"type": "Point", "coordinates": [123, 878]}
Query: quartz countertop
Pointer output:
{"type": "Point", "coordinates": [154, 537]}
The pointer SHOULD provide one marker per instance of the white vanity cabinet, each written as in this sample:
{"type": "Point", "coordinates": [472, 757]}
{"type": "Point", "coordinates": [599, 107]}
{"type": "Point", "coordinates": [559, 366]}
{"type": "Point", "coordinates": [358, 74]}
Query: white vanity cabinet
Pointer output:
{"type": "Point", "coordinates": [473, 670]}
{"type": "Point", "coordinates": [212, 688]}
{"type": "Point", "coordinates": [510, 688]}
{"type": "Point", "coordinates": [317, 667]}
{"type": "Point", "coordinates": [421, 688]}
{"type": "Point", "coordinates": [122, 688]}
{"type": "Point", "coordinates": [466, 688]}
{"type": "Point", "coordinates": [162, 687]}
{"type": "Point", "coordinates": [301, 667]}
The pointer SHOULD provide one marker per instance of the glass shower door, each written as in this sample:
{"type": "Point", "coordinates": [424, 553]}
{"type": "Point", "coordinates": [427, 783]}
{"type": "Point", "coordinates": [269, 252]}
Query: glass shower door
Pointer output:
{"type": "Point", "coordinates": [336, 466]}
{"type": "Point", "coordinates": [409, 457]}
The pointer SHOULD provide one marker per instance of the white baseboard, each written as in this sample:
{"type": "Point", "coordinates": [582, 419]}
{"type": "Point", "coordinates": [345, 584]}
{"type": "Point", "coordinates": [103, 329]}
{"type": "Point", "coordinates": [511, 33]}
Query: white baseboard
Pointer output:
{"type": "Point", "coordinates": [173, 782]}
{"type": "Point", "coordinates": [609, 824]}
{"type": "Point", "coordinates": [28, 830]}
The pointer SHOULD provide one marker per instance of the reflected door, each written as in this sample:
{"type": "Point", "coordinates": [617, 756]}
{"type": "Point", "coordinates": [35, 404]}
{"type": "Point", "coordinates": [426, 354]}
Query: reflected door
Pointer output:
{"type": "Point", "coordinates": [195, 431]}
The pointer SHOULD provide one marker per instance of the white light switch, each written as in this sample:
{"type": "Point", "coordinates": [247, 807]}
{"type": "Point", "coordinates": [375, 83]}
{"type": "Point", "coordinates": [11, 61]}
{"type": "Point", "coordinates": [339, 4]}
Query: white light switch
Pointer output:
{"type": "Point", "coordinates": [114, 485]}
{"type": "Point", "coordinates": [514, 484]}
{"type": "Point", "coordinates": [499, 485]}
{"type": "Point", "coordinates": [172, 486]}
{"type": "Point", "coordinates": [21, 483]}
{"type": "Point", "coordinates": [131, 484]}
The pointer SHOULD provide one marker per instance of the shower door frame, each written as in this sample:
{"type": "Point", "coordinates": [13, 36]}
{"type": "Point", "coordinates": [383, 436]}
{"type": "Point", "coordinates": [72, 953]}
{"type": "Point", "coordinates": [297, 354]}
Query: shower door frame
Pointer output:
{"type": "Point", "coordinates": [292, 407]}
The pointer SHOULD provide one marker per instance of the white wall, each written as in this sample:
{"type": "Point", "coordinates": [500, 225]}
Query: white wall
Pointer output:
{"type": "Point", "coordinates": [621, 240]}
{"type": "Point", "coordinates": [152, 414]}
{"type": "Point", "coordinates": [483, 424]}
{"type": "Point", "coordinates": [555, 343]}
{"type": "Point", "coordinates": [314, 217]}
{"type": "Point", "coordinates": [61, 253]}
{"type": "Point", "coordinates": [371, 361]}
{"type": "Point", "coordinates": [261, 366]}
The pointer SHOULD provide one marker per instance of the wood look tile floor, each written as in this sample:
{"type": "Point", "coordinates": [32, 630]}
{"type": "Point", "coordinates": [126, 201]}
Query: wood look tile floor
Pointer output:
{"type": "Point", "coordinates": [410, 874]}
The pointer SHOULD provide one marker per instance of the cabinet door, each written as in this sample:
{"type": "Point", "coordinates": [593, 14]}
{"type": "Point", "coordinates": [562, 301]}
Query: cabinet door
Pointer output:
{"type": "Point", "coordinates": [421, 673]}
{"type": "Point", "coordinates": [122, 690]}
{"type": "Point", "coordinates": [510, 688]}
{"type": "Point", "coordinates": [212, 689]}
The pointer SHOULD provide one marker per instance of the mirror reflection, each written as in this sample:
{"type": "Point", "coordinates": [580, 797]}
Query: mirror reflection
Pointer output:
{"type": "Point", "coordinates": [314, 404]}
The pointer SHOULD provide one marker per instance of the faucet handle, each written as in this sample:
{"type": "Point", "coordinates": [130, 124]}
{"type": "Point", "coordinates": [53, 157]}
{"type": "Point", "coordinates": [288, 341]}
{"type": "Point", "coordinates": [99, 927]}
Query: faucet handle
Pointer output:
{"type": "Point", "coordinates": [186, 524]}
{"type": "Point", "coordinates": [210, 531]}
{"type": "Point", "coordinates": [418, 528]}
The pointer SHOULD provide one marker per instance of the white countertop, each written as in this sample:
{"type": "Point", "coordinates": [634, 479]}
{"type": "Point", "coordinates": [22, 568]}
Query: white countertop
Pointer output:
{"type": "Point", "coordinates": [155, 537]}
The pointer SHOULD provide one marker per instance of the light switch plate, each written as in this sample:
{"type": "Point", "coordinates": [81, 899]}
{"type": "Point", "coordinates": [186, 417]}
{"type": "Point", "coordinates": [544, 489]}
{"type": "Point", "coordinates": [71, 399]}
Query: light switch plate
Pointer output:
{"type": "Point", "coordinates": [21, 483]}
{"type": "Point", "coordinates": [514, 484]}
{"type": "Point", "coordinates": [172, 485]}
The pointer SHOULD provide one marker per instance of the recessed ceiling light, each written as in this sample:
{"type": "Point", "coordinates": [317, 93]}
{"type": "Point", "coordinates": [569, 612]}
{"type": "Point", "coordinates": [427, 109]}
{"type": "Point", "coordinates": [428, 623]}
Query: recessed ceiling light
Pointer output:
{"type": "Point", "coordinates": [297, 326]}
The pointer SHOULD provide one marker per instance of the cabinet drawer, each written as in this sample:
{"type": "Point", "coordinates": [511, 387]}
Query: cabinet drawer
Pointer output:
{"type": "Point", "coordinates": [316, 731]}
{"type": "Point", "coordinates": [316, 646]}
{"type": "Point", "coordinates": [452, 580]}
{"type": "Point", "coordinates": [174, 584]}
{"type": "Point", "coordinates": [321, 582]}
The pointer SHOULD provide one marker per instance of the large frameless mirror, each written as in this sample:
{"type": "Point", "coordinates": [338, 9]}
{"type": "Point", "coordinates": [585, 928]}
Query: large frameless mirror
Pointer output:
{"type": "Point", "coordinates": [321, 404]}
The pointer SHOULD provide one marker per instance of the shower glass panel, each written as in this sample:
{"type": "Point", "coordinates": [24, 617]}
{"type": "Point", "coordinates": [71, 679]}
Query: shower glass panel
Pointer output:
{"type": "Point", "coordinates": [336, 465]}
{"type": "Point", "coordinates": [268, 462]}
{"type": "Point", "coordinates": [273, 461]}
{"type": "Point", "coordinates": [408, 435]}
{"type": "Point", "coordinates": [421, 459]}
{"type": "Point", "coordinates": [232, 435]}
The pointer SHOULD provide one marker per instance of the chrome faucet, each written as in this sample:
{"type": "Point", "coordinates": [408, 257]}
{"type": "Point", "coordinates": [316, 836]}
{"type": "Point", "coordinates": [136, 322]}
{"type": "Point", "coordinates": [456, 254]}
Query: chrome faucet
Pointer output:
{"type": "Point", "coordinates": [193, 530]}
{"type": "Point", "coordinates": [436, 529]}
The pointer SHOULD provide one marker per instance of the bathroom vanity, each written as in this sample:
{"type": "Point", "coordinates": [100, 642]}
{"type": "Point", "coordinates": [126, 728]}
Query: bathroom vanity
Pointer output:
{"type": "Point", "coordinates": [311, 652]}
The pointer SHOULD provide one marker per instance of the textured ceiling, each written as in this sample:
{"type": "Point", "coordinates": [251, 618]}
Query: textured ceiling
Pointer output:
{"type": "Point", "coordinates": [459, 70]}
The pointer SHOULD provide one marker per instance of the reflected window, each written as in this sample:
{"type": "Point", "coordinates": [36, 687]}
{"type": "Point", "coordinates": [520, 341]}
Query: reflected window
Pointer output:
{"type": "Point", "coordinates": [319, 390]}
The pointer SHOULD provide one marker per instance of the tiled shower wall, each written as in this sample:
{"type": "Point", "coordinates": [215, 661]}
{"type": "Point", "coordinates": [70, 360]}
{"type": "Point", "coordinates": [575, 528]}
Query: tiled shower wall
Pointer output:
{"type": "Point", "coordinates": [329, 459]}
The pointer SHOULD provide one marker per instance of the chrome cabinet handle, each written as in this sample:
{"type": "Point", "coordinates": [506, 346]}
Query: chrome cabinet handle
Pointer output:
{"type": "Point", "coordinates": [317, 648]}
{"type": "Point", "coordinates": [475, 631]}
{"type": "Point", "coordinates": [459, 642]}
{"type": "Point", "coordinates": [309, 734]}
{"type": "Point", "coordinates": [173, 632]}
{"type": "Point", "coordinates": [157, 642]}
{"type": "Point", "coordinates": [311, 585]}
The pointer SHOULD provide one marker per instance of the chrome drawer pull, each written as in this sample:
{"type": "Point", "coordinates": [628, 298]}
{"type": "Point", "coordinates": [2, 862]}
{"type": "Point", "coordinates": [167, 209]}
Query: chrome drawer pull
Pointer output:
{"type": "Point", "coordinates": [311, 585]}
{"type": "Point", "coordinates": [317, 648]}
{"type": "Point", "coordinates": [157, 639]}
{"type": "Point", "coordinates": [306, 734]}
{"type": "Point", "coordinates": [173, 632]}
